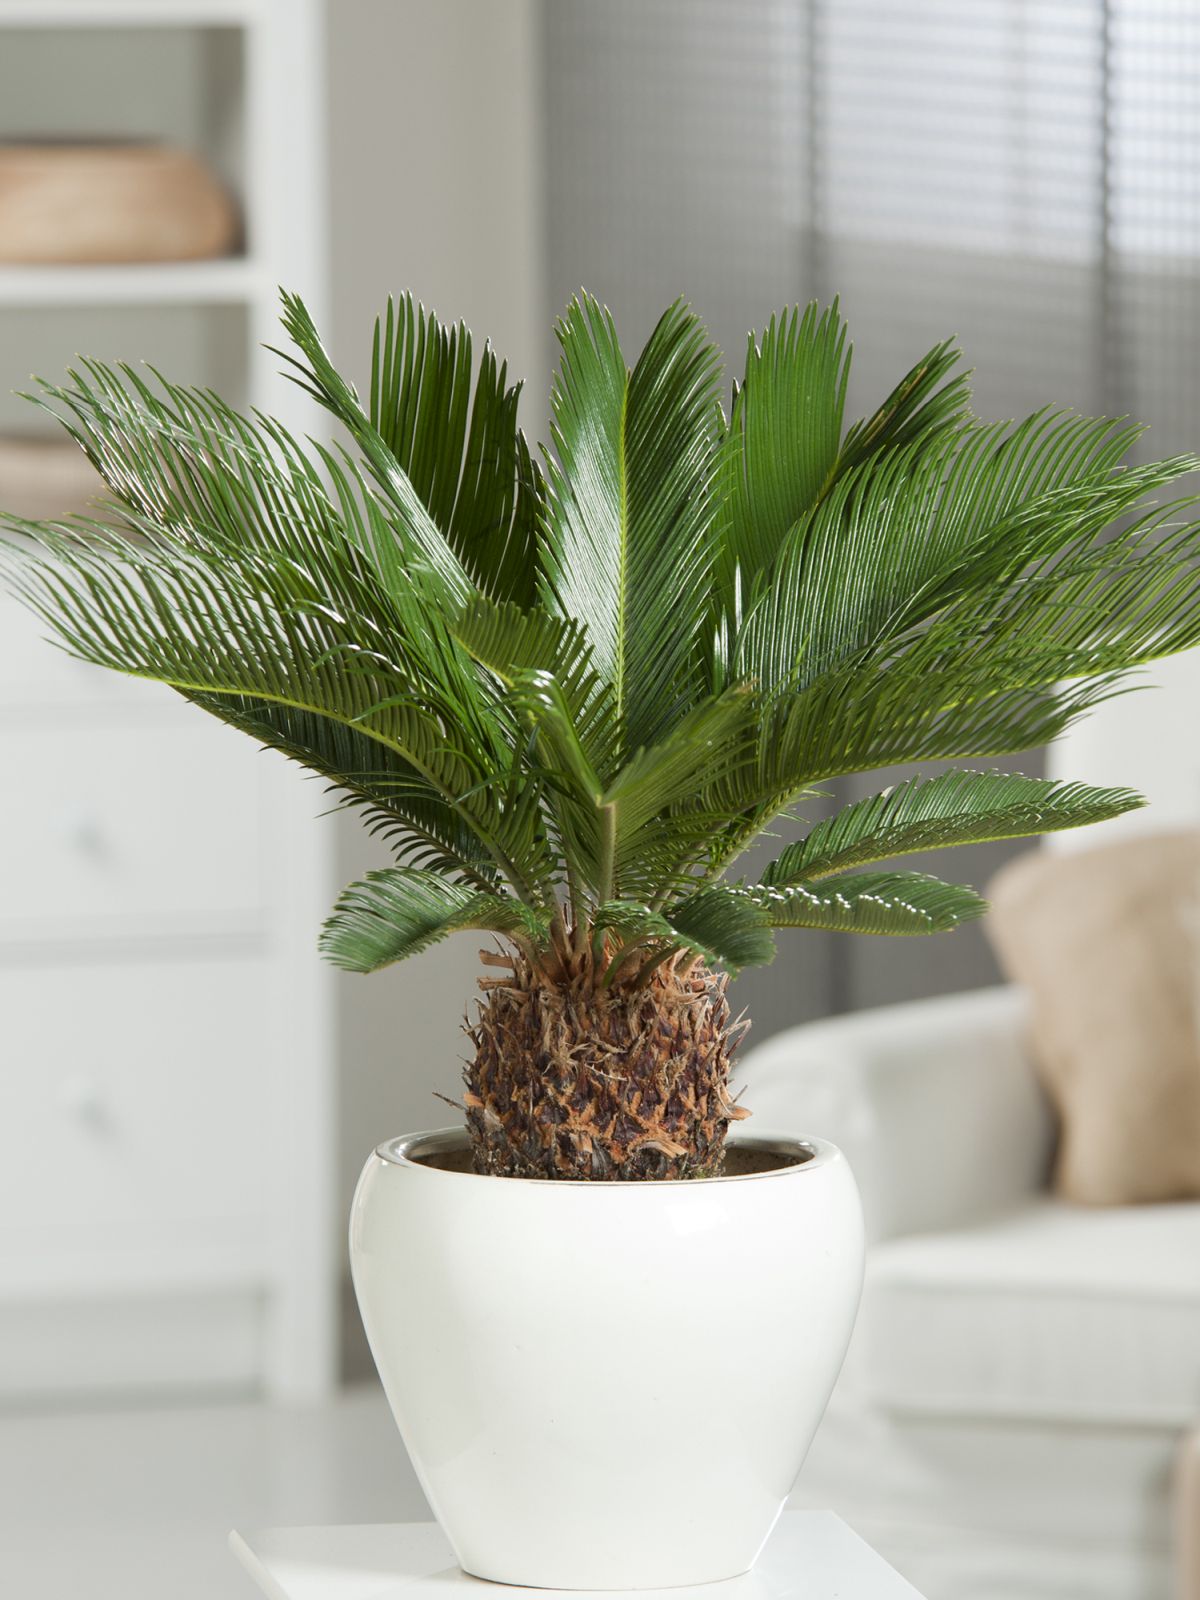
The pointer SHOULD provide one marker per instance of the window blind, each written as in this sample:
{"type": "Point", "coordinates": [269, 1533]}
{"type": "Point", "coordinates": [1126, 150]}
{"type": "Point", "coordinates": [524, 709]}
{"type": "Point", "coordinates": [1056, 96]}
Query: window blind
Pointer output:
{"type": "Point", "coordinates": [1025, 172]}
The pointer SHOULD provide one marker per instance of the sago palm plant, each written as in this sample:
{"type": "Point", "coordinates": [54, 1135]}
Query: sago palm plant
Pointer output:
{"type": "Point", "coordinates": [569, 695]}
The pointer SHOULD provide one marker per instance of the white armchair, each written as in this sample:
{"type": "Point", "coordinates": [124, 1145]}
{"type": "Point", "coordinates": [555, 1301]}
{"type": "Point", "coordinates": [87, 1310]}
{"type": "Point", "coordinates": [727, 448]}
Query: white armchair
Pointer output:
{"type": "Point", "coordinates": [1023, 1370]}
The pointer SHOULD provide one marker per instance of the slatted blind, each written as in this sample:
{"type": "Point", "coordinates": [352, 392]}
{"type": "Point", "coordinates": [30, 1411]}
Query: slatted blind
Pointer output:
{"type": "Point", "coordinates": [675, 157]}
{"type": "Point", "coordinates": [1024, 173]}
{"type": "Point", "coordinates": [958, 185]}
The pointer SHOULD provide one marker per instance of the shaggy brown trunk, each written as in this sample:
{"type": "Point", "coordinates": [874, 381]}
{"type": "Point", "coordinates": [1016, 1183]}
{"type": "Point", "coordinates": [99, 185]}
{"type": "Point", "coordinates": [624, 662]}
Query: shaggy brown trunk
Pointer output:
{"type": "Point", "coordinates": [570, 1080]}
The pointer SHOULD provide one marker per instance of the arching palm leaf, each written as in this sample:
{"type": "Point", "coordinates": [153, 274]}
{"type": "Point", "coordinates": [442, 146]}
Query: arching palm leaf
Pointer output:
{"type": "Point", "coordinates": [628, 540]}
{"type": "Point", "coordinates": [716, 924]}
{"type": "Point", "coordinates": [569, 703]}
{"type": "Point", "coordinates": [451, 430]}
{"type": "Point", "coordinates": [396, 912]}
{"type": "Point", "coordinates": [870, 902]}
{"type": "Point", "coordinates": [921, 404]}
{"type": "Point", "coordinates": [933, 813]}
{"type": "Point", "coordinates": [781, 448]}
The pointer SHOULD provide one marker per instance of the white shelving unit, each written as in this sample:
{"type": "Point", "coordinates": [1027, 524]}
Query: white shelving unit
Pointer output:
{"type": "Point", "coordinates": [166, 1059]}
{"type": "Point", "coordinates": [204, 283]}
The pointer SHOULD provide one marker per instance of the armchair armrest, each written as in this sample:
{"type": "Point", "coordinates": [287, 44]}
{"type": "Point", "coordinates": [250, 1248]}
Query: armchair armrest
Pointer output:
{"type": "Point", "coordinates": [934, 1102]}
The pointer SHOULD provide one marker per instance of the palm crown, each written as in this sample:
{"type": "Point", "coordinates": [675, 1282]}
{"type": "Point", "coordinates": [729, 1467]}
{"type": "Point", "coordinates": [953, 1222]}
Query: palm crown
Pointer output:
{"type": "Point", "coordinates": [570, 696]}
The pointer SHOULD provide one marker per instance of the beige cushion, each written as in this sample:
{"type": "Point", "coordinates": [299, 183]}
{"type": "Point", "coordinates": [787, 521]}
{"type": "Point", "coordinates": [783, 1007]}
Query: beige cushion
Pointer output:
{"type": "Point", "coordinates": [1105, 941]}
{"type": "Point", "coordinates": [1187, 1518]}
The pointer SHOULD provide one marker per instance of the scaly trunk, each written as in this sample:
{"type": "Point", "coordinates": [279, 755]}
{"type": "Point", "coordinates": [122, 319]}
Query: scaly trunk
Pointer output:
{"type": "Point", "coordinates": [570, 1080]}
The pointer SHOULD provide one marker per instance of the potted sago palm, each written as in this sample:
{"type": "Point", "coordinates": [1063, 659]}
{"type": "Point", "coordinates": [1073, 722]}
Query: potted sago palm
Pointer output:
{"type": "Point", "coordinates": [570, 693]}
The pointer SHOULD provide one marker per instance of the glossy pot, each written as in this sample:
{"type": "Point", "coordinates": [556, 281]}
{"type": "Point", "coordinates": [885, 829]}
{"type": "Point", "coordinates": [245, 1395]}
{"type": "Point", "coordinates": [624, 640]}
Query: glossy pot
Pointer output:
{"type": "Point", "coordinates": [607, 1385]}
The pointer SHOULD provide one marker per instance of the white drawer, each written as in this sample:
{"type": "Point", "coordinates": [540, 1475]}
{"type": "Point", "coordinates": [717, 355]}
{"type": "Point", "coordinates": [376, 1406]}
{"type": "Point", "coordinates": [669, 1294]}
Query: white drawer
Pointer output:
{"type": "Point", "coordinates": [35, 672]}
{"type": "Point", "coordinates": [133, 1111]}
{"type": "Point", "coordinates": [128, 826]}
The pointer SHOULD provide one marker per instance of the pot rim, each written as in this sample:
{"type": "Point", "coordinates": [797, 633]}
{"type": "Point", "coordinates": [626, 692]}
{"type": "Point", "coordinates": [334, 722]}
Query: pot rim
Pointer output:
{"type": "Point", "coordinates": [805, 1155]}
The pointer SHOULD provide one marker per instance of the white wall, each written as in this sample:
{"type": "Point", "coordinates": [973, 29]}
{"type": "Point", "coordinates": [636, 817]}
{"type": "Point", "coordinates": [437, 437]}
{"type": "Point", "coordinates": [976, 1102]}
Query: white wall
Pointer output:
{"type": "Point", "coordinates": [1147, 740]}
{"type": "Point", "coordinates": [435, 169]}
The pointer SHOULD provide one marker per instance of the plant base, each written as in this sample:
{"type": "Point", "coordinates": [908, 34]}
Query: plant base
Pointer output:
{"type": "Point", "coordinates": [570, 1080]}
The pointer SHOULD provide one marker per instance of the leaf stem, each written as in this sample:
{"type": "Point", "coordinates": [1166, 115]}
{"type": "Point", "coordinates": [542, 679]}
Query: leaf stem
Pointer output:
{"type": "Point", "coordinates": [606, 880]}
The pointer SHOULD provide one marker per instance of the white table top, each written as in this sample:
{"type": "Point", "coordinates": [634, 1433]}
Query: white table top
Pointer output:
{"type": "Point", "coordinates": [812, 1555]}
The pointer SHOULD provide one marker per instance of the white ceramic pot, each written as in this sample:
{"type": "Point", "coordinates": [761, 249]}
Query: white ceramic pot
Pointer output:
{"type": "Point", "coordinates": [606, 1385]}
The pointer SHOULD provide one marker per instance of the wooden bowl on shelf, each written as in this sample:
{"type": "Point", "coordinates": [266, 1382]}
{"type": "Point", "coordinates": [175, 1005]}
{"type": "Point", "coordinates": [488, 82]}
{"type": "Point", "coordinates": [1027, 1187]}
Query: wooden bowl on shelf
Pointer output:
{"type": "Point", "coordinates": [79, 202]}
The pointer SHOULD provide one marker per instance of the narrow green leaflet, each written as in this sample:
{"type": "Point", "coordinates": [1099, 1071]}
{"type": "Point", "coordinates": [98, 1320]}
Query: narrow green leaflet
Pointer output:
{"type": "Point", "coordinates": [397, 802]}
{"type": "Point", "coordinates": [394, 913]}
{"type": "Point", "coordinates": [919, 405]}
{"type": "Point", "coordinates": [732, 925]}
{"type": "Point", "coordinates": [708, 743]}
{"type": "Point", "coordinates": [513, 642]}
{"type": "Point", "coordinates": [459, 445]}
{"type": "Point", "coordinates": [950, 809]}
{"type": "Point", "coordinates": [869, 902]}
{"type": "Point", "coordinates": [783, 439]}
{"type": "Point", "coordinates": [628, 543]}
{"type": "Point", "coordinates": [423, 542]}
{"type": "Point", "coordinates": [719, 926]}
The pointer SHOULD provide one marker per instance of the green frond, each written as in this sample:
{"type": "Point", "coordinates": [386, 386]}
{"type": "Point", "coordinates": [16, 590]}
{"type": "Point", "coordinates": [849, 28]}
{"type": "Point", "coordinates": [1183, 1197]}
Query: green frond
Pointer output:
{"type": "Point", "coordinates": [628, 543]}
{"type": "Point", "coordinates": [869, 902]}
{"type": "Point", "coordinates": [539, 697]}
{"type": "Point", "coordinates": [920, 405]}
{"type": "Point", "coordinates": [573, 788]}
{"type": "Point", "coordinates": [393, 913]}
{"type": "Point", "coordinates": [733, 925]}
{"type": "Point", "coordinates": [641, 831]}
{"type": "Point", "coordinates": [396, 802]}
{"type": "Point", "coordinates": [716, 924]}
{"type": "Point", "coordinates": [1026, 636]}
{"type": "Point", "coordinates": [655, 827]}
{"type": "Point", "coordinates": [1093, 604]}
{"type": "Point", "coordinates": [710, 740]}
{"type": "Point", "coordinates": [460, 448]}
{"type": "Point", "coordinates": [785, 432]}
{"type": "Point", "coordinates": [567, 704]}
{"type": "Point", "coordinates": [423, 543]}
{"type": "Point", "coordinates": [644, 939]}
{"type": "Point", "coordinates": [950, 809]}
{"type": "Point", "coordinates": [512, 642]}
{"type": "Point", "coordinates": [875, 523]}
{"type": "Point", "coordinates": [899, 538]}
{"type": "Point", "coordinates": [866, 716]}
{"type": "Point", "coordinates": [250, 582]}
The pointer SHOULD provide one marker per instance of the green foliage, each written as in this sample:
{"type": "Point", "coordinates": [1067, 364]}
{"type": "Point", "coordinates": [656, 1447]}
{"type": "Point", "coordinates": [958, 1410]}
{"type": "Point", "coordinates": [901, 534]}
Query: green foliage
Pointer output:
{"type": "Point", "coordinates": [628, 541]}
{"type": "Point", "coordinates": [931, 813]}
{"type": "Point", "coordinates": [870, 902]}
{"type": "Point", "coordinates": [720, 926]}
{"type": "Point", "coordinates": [396, 912]}
{"type": "Point", "coordinates": [568, 697]}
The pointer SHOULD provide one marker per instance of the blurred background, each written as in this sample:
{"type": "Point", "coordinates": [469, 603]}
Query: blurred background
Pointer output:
{"type": "Point", "coordinates": [186, 1095]}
